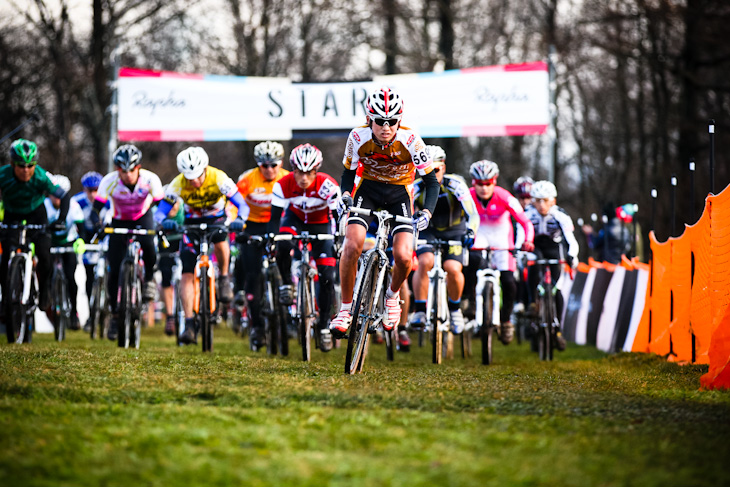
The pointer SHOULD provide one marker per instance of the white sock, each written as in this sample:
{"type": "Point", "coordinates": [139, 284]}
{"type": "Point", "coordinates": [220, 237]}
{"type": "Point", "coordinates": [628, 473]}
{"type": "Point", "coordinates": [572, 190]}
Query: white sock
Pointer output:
{"type": "Point", "coordinates": [346, 306]}
{"type": "Point", "coordinates": [390, 294]}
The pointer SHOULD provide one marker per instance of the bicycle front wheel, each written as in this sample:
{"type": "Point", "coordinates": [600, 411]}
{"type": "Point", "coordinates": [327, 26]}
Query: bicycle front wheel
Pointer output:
{"type": "Point", "coordinates": [127, 305]}
{"type": "Point", "coordinates": [363, 313]}
{"type": "Point", "coordinates": [61, 306]}
{"type": "Point", "coordinates": [544, 338]}
{"type": "Point", "coordinates": [487, 331]}
{"type": "Point", "coordinates": [95, 309]}
{"type": "Point", "coordinates": [204, 318]}
{"type": "Point", "coordinates": [270, 317]}
{"type": "Point", "coordinates": [437, 336]}
{"type": "Point", "coordinates": [306, 313]}
{"type": "Point", "coordinates": [17, 326]}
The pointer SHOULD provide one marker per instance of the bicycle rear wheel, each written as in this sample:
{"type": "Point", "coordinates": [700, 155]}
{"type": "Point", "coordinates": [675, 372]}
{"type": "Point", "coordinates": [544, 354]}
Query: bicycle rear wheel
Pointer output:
{"type": "Point", "coordinates": [363, 312]}
{"type": "Point", "coordinates": [270, 317]}
{"type": "Point", "coordinates": [466, 344]}
{"type": "Point", "coordinates": [487, 331]}
{"type": "Point", "coordinates": [95, 309]}
{"type": "Point", "coordinates": [204, 318]}
{"type": "Point", "coordinates": [17, 327]}
{"type": "Point", "coordinates": [127, 305]}
{"type": "Point", "coordinates": [178, 313]}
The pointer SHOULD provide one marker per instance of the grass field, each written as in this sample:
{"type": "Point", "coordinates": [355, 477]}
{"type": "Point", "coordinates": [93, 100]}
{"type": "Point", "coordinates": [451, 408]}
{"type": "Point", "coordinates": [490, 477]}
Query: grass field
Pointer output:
{"type": "Point", "coordinates": [85, 413]}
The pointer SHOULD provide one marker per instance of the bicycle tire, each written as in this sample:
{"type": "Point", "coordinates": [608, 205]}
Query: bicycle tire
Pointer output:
{"type": "Point", "coordinates": [178, 312]}
{"type": "Point", "coordinates": [487, 331]}
{"type": "Point", "coordinates": [544, 339]}
{"type": "Point", "coordinates": [61, 306]}
{"type": "Point", "coordinates": [126, 305]}
{"type": "Point", "coordinates": [358, 337]}
{"type": "Point", "coordinates": [270, 316]}
{"type": "Point", "coordinates": [283, 332]}
{"type": "Point", "coordinates": [94, 309]}
{"type": "Point", "coordinates": [466, 339]}
{"type": "Point", "coordinates": [204, 317]}
{"type": "Point", "coordinates": [16, 327]}
{"type": "Point", "coordinates": [437, 336]}
{"type": "Point", "coordinates": [304, 305]}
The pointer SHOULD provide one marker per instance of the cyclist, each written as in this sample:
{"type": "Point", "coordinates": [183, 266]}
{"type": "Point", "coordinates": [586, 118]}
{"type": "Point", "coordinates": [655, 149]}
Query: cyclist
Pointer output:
{"type": "Point", "coordinates": [166, 262]}
{"type": "Point", "coordinates": [68, 236]}
{"type": "Point", "coordinates": [521, 190]}
{"type": "Point", "coordinates": [24, 186]}
{"type": "Point", "coordinates": [256, 186]}
{"type": "Point", "coordinates": [132, 192]}
{"type": "Point", "coordinates": [204, 191]}
{"type": "Point", "coordinates": [554, 238]}
{"type": "Point", "coordinates": [85, 199]}
{"type": "Point", "coordinates": [454, 218]}
{"type": "Point", "coordinates": [309, 197]}
{"type": "Point", "coordinates": [495, 205]}
{"type": "Point", "coordinates": [381, 160]}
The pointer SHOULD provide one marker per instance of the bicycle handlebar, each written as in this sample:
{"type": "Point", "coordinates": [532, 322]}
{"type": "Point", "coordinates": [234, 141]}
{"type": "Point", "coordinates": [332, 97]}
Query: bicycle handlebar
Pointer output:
{"type": "Point", "coordinates": [130, 231]}
{"type": "Point", "coordinates": [62, 250]}
{"type": "Point", "coordinates": [439, 242]}
{"type": "Point", "coordinates": [307, 237]}
{"type": "Point", "coordinates": [20, 226]}
{"type": "Point", "coordinates": [382, 213]}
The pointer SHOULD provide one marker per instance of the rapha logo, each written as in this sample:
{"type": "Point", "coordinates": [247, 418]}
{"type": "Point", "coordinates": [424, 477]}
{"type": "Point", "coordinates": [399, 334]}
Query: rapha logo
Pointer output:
{"type": "Point", "coordinates": [146, 102]}
{"type": "Point", "coordinates": [496, 98]}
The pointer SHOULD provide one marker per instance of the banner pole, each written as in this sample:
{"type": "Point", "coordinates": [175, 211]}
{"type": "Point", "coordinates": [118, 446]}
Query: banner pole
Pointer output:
{"type": "Point", "coordinates": [692, 188]}
{"type": "Point", "coordinates": [113, 109]}
{"type": "Point", "coordinates": [552, 130]}
{"type": "Point", "coordinates": [712, 156]}
{"type": "Point", "coordinates": [674, 204]}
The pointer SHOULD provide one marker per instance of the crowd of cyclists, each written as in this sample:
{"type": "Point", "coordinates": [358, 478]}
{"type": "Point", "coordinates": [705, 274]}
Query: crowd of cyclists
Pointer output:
{"type": "Point", "coordinates": [386, 166]}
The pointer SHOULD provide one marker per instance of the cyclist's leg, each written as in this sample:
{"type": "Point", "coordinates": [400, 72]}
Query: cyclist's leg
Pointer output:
{"type": "Point", "coordinates": [324, 252]}
{"type": "Point", "coordinates": [188, 256]}
{"type": "Point", "coordinates": [165, 263]}
{"type": "Point", "coordinates": [290, 223]}
{"type": "Point", "coordinates": [222, 250]}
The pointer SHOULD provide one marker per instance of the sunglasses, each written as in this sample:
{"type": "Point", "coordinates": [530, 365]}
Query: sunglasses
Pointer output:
{"type": "Point", "coordinates": [440, 169]}
{"type": "Point", "coordinates": [268, 166]}
{"type": "Point", "coordinates": [382, 121]}
{"type": "Point", "coordinates": [488, 182]}
{"type": "Point", "coordinates": [26, 166]}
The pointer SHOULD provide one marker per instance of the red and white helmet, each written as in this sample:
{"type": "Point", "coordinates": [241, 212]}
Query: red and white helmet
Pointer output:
{"type": "Point", "coordinates": [484, 170]}
{"type": "Point", "coordinates": [384, 103]}
{"type": "Point", "coordinates": [306, 157]}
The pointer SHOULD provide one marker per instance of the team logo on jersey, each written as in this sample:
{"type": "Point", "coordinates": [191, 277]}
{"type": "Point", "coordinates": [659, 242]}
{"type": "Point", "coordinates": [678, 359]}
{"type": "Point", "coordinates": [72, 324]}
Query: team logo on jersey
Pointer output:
{"type": "Point", "coordinates": [327, 189]}
{"type": "Point", "coordinates": [355, 136]}
{"type": "Point", "coordinates": [410, 139]}
{"type": "Point", "coordinates": [227, 187]}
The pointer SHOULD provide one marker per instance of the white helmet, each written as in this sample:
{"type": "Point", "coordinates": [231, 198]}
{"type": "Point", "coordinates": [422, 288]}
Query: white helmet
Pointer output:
{"type": "Point", "coordinates": [192, 162]}
{"type": "Point", "coordinates": [436, 152]}
{"type": "Point", "coordinates": [484, 170]}
{"type": "Point", "coordinates": [543, 189]}
{"type": "Point", "coordinates": [268, 153]}
{"type": "Point", "coordinates": [384, 103]}
{"type": "Point", "coordinates": [305, 157]}
{"type": "Point", "coordinates": [60, 180]}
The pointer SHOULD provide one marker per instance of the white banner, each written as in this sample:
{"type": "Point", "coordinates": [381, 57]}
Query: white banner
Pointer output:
{"type": "Point", "coordinates": [496, 100]}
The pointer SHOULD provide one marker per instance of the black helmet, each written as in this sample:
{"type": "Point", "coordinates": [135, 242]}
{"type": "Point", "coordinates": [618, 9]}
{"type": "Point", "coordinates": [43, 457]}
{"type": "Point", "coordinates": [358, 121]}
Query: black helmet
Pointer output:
{"type": "Point", "coordinates": [24, 152]}
{"type": "Point", "coordinates": [127, 157]}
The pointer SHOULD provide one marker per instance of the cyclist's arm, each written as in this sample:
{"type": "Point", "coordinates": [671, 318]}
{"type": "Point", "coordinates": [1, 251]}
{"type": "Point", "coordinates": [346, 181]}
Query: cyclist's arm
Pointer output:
{"type": "Point", "coordinates": [431, 194]}
{"type": "Point", "coordinates": [278, 203]}
{"type": "Point", "coordinates": [347, 181]}
{"type": "Point", "coordinates": [162, 211]}
{"type": "Point", "coordinates": [65, 203]}
{"type": "Point", "coordinates": [238, 202]}
{"type": "Point", "coordinates": [243, 190]}
{"type": "Point", "coordinates": [519, 214]}
{"type": "Point", "coordinates": [461, 191]}
{"type": "Point", "coordinates": [275, 221]}
{"type": "Point", "coordinates": [566, 226]}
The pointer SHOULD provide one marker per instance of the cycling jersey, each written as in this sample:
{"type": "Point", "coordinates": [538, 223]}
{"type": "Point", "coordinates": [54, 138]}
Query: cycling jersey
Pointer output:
{"type": "Point", "coordinates": [257, 193]}
{"type": "Point", "coordinates": [311, 205]}
{"type": "Point", "coordinates": [554, 229]}
{"type": "Point", "coordinates": [75, 216]}
{"type": "Point", "coordinates": [455, 208]}
{"type": "Point", "coordinates": [397, 163]}
{"type": "Point", "coordinates": [495, 228]}
{"type": "Point", "coordinates": [87, 206]}
{"type": "Point", "coordinates": [130, 204]}
{"type": "Point", "coordinates": [207, 201]}
{"type": "Point", "coordinates": [21, 198]}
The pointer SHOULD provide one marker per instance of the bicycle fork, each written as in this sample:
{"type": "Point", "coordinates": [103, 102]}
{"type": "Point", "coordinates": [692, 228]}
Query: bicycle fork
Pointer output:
{"type": "Point", "coordinates": [483, 277]}
{"type": "Point", "coordinates": [203, 270]}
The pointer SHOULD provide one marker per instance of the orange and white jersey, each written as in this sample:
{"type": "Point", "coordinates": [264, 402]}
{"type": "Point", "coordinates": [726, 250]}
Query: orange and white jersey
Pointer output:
{"type": "Point", "coordinates": [395, 164]}
{"type": "Point", "coordinates": [257, 194]}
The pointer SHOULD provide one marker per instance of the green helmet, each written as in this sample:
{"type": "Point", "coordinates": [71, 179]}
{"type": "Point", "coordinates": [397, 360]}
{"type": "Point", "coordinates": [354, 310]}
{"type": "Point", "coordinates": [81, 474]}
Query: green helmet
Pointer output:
{"type": "Point", "coordinates": [24, 151]}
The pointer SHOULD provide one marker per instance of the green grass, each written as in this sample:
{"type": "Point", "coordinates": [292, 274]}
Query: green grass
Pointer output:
{"type": "Point", "coordinates": [86, 413]}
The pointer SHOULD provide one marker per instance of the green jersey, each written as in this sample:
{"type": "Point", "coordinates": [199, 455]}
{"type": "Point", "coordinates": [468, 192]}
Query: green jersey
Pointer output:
{"type": "Point", "coordinates": [19, 197]}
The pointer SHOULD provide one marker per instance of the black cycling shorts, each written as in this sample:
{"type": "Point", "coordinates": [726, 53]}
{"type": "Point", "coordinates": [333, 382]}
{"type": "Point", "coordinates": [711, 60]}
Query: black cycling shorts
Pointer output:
{"type": "Point", "coordinates": [451, 252]}
{"type": "Point", "coordinates": [376, 195]}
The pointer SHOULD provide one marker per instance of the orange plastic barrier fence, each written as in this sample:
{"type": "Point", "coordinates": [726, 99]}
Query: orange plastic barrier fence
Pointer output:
{"type": "Point", "coordinates": [686, 316]}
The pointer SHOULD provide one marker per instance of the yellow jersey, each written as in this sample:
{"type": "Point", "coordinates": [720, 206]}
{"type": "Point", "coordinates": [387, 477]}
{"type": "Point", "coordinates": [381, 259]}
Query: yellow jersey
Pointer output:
{"type": "Point", "coordinates": [209, 200]}
{"type": "Point", "coordinates": [257, 193]}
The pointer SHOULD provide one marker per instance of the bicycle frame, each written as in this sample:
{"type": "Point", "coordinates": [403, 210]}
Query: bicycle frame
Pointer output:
{"type": "Point", "coordinates": [485, 275]}
{"type": "Point", "coordinates": [64, 308]}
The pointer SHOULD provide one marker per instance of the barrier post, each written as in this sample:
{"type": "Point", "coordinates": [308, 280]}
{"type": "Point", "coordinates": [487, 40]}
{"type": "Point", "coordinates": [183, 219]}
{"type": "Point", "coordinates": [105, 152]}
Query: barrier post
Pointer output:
{"type": "Point", "coordinates": [711, 129]}
{"type": "Point", "coordinates": [674, 205]}
{"type": "Point", "coordinates": [692, 188]}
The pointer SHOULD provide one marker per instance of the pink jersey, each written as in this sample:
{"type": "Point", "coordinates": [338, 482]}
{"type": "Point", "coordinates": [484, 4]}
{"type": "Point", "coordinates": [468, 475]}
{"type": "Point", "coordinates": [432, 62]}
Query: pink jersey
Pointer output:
{"type": "Point", "coordinates": [130, 204]}
{"type": "Point", "coordinates": [495, 226]}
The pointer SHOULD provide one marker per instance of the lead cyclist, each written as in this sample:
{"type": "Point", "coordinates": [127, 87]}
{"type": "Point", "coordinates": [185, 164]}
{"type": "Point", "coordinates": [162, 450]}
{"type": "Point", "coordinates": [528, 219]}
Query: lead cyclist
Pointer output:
{"type": "Point", "coordinates": [381, 161]}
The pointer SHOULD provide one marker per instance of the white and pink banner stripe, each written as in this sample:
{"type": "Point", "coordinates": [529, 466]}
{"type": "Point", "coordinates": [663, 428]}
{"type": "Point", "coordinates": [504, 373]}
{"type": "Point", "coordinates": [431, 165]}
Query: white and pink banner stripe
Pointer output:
{"type": "Point", "coordinates": [486, 101]}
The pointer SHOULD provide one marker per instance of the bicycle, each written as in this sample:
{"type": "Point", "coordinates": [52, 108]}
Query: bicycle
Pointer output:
{"type": "Point", "coordinates": [60, 300]}
{"type": "Point", "coordinates": [130, 305]}
{"type": "Point", "coordinates": [437, 305]}
{"type": "Point", "coordinates": [205, 304]}
{"type": "Point", "coordinates": [488, 299]}
{"type": "Point", "coordinates": [99, 309]}
{"type": "Point", "coordinates": [274, 313]}
{"type": "Point", "coordinates": [545, 324]}
{"type": "Point", "coordinates": [21, 286]}
{"type": "Point", "coordinates": [305, 313]}
{"type": "Point", "coordinates": [369, 295]}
